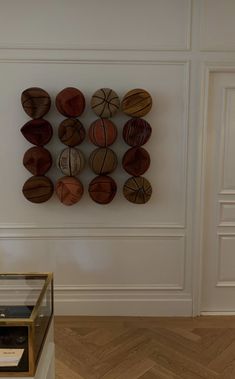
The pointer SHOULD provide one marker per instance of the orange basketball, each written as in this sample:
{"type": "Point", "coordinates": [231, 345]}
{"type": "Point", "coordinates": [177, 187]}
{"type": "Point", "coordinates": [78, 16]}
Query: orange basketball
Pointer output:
{"type": "Point", "coordinates": [69, 190]}
{"type": "Point", "coordinates": [102, 132]}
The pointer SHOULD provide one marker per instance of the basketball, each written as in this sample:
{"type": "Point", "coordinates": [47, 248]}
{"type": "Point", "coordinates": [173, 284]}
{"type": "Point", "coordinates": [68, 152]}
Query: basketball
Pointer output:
{"type": "Point", "coordinates": [105, 102]}
{"type": "Point", "coordinates": [36, 102]}
{"type": "Point", "coordinates": [70, 102]}
{"type": "Point", "coordinates": [136, 103]}
{"type": "Point", "coordinates": [136, 161]}
{"type": "Point", "coordinates": [137, 190]}
{"type": "Point", "coordinates": [37, 160]}
{"type": "Point", "coordinates": [71, 161]}
{"type": "Point", "coordinates": [102, 132]}
{"type": "Point", "coordinates": [136, 132]}
{"type": "Point", "coordinates": [38, 189]}
{"type": "Point", "coordinates": [71, 132]}
{"type": "Point", "coordinates": [102, 189]}
{"type": "Point", "coordinates": [38, 132]}
{"type": "Point", "coordinates": [69, 190]}
{"type": "Point", "coordinates": [103, 161]}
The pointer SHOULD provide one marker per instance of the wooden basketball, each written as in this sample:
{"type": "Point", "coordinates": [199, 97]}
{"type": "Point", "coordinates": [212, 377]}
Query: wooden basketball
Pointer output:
{"type": "Point", "coordinates": [71, 161]}
{"type": "Point", "coordinates": [136, 161]}
{"type": "Point", "coordinates": [38, 132]}
{"type": "Point", "coordinates": [103, 161]}
{"type": "Point", "coordinates": [36, 102]}
{"type": "Point", "coordinates": [105, 102]}
{"type": "Point", "coordinates": [102, 189]}
{"type": "Point", "coordinates": [136, 103]}
{"type": "Point", "coordinates": [38, 189]}
{"type": "Point", "coordinates": [102, 132]}
{"type": "Point", "coordinates": [69, 190]}
{"type": "Point", "coordinates": [37, 160]}
{"type": "Point", "coordinates": [137, 190]}
{"type": "Point", "coordinates": [70, 102]}
{"type": "Point", "coordinates": [136, 132]}
{"type": "Point", "coordinates": [71, 132]}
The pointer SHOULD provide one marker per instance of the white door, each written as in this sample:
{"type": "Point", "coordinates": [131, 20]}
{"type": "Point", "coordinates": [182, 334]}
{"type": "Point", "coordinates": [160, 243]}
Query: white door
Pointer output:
{"type": "Point", "coordinates": [218, 285]}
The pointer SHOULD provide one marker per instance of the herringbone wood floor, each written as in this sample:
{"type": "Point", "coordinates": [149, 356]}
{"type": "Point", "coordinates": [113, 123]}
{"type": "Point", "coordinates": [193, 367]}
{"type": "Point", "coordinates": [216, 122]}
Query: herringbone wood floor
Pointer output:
{"type": "Point", "coordinates": [145, 348]}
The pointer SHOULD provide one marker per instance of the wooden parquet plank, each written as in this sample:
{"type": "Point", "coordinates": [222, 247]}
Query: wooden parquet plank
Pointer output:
{"type": "Point", "coordinates": [145, 348]}
{"type": "Point", "coordinates": [224, 359]}
{"type": "Point", "coordinates": [181, 365]}
{"type": "Point", "coordinates": [136, 370]}
{"type": "Point", "coordinates": [159, 372]}
{"type": "Point", "coordinates": [63, 371]}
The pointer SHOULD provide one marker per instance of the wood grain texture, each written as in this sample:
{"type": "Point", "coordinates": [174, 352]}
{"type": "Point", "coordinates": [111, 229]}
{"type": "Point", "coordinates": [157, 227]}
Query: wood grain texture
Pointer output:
{"type": "Point", "coordinates": [136, 103]}
{"type": "Point", "coordinates": [136, 161]}
{"type": "Point", "coordinates": [102, 189]}
{"type": "Point", "coordinates": [137, 190]}
{"type": "Point", "coordinates": [36, 102]}
{"type": "Point", "coordinates": [145, 348]}
{"type": "Point", "coordinates": [103, 161]}
{"type": "Point", "coordinates": [70, 102]}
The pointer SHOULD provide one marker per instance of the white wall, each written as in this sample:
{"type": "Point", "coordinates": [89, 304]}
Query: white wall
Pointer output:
{"type": "Point", "coordinates": [118, 259]}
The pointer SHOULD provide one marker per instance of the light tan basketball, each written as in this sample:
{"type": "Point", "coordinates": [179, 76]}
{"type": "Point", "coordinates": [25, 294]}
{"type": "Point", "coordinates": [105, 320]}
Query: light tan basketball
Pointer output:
{"type": "Point", "coordinates": [105, 102]}
{"type": "Point", "coordinates": [71, 161]}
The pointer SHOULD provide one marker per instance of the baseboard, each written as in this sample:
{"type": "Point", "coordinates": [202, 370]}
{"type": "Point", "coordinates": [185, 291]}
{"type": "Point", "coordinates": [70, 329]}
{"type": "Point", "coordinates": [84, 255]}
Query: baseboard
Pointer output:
{"type": "Point", "coordinates": [111, 300]}
{"type": "Point", "coordinates": [218, 313]}
{"type": "Point", "coordinates": [121, 303]}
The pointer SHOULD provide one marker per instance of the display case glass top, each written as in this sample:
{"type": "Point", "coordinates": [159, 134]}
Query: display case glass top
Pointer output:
{"type": "Point", "coordinates": [26, 310]}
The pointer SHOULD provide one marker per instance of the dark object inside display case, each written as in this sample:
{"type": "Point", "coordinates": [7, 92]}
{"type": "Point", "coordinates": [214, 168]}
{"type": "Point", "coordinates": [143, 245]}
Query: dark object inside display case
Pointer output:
{"type": "Point", "coordinates": [16, 311]}
{"type": "Point", "coordinates": [15, 338]}
{"type": "Point", "coordinates": [24, 322]}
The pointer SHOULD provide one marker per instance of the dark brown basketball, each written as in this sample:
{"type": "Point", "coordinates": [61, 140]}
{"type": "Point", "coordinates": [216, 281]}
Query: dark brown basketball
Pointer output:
{"type": "Point", "coordinates": [137, 190]}
{"type": "Point", "coordinates": [136, 161]}
{"type": "Point", "coordinates": [69, 190]}
{"type": "Point", "coordinates": [136, 132]}
{"type": "Point", "coordinates": [103, 161]}
{"type": "Point", "coordinates": [71, 132]}
{"type": "Point", "coordinates": [136, 103]}
{"type": "Point", "coordinates": [38, 132]}
{"type": "Point", "coordinates": [37, 160]}
{"type": "Point", "coordinates": [70, 102]}
{"type": "Point", "coordinates": [71, 161]}
{"type": "Point", "coordinates": [36, 102]}
{"type": "Point", "coordinates": [38, 189]}
{"type": "Point", "coordinates": [102, 189]}
{"type": "Point", "coordinates": [105, 102]}
{"type": "Point", "coordinates": [102, 132]}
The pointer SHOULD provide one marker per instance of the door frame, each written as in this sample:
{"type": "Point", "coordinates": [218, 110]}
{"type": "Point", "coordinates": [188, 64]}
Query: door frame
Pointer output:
{"type": "Point", "coordinates": [206, 69]}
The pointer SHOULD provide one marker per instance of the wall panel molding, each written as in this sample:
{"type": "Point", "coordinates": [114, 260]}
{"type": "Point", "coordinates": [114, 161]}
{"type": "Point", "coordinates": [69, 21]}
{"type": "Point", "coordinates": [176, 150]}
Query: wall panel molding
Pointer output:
{"type": "Point", "coordinates": [212, 38]}
{"type": "Point", "coordinates": [223, 282]}
{"type": "Point", "coordinates": [227, 186]}
{"type": "Point", "coordinates": [91, 263]}
{"type": "Point", "coordinates": [34, 232]}
{"type": "Point", "coordinates": [160, 38]}
{"type": "Point", "coordinates": [185, 64]}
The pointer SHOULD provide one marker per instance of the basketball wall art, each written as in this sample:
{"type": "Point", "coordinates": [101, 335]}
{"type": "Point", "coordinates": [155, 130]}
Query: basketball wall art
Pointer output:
{"type": "Point", "coordinates": [136, 132]}
{"type": "Point", "coordinates": [36, 102]}
{"type": "Point", "coordinates": [102, 133]}
{"type": "Point", "coordinates": [70, 102]}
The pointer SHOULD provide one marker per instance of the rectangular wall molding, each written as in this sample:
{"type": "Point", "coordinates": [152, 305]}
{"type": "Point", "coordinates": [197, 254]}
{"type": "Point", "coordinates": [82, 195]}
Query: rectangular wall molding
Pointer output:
{"type": "Point", "coordinates": [154, 34]}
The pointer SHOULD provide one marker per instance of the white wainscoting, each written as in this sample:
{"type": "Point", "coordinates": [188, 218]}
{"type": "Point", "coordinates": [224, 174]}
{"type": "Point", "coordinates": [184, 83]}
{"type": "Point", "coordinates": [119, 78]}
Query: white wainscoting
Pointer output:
{"type": "Point", "coordinates": [92, 24]}
{"type": "Point", "coordinates": [217, 26]}
{"type": "Point", "coordinates": [119, 259]}
{"type": "Point", "coordinates": [112, 275]}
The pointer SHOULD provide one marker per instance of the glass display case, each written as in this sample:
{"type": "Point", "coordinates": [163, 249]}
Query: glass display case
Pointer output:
{"type": "Point", "coordinates": [26, 311]}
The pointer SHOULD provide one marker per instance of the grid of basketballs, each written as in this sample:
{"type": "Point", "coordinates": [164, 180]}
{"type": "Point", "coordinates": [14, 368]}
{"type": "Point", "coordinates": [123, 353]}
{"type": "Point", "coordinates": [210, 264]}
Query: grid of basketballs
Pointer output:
{"type": "Point", "coordinates": [102, 133]}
